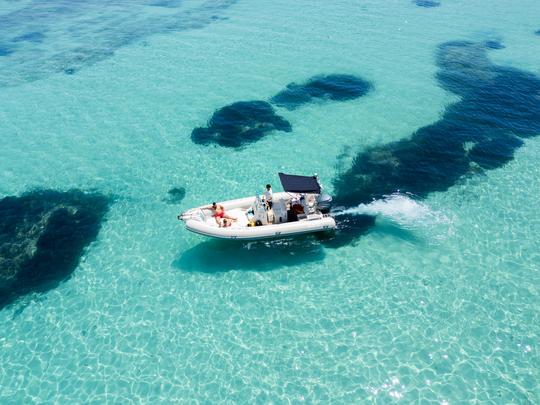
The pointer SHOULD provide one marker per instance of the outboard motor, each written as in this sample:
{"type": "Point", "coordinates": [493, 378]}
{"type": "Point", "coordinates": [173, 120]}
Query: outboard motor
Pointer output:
{"type": "Point", "coordinates": [324, 202]}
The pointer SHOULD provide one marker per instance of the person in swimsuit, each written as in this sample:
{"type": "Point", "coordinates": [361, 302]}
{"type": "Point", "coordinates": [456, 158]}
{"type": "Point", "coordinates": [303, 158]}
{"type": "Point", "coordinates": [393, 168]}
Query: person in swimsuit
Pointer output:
{"type": "Point", "coordinates": [218, 212]}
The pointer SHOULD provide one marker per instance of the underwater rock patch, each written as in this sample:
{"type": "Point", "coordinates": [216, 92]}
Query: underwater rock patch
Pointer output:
{"type": "Point", "coordinates": [99, 29]}
{"type": "Point", "coordinates": [175, 195]}
{"type": "Point", "coordinates": [35, 37]}
{"type": "Point", "coordinates": [240, 123]}
{"type": "Point", "coordinates": [427, 3]}
{"type": "Point", "coordinates": [499, 106]}
{"type": "Point", "coordinates": [335, 87]}
{"type": "Point", "coordinates": [79, 58]}
{"type": "Point", "coordinates": [494, 44]}
{"type": "Point", "coordinates": [43, 235]}
{"type": "Point", "coordinates": [5, 50]}
{"type": "Point", "coordinates": [166, 3]}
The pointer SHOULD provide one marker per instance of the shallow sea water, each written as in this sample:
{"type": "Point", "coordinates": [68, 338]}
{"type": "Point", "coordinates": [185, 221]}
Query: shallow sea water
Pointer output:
{"type": "Point", "coordinates": [438, 303]}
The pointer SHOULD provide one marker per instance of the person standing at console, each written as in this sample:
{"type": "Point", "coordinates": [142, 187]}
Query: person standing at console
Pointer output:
{"type": "Point", "coordinates": [268, 195]}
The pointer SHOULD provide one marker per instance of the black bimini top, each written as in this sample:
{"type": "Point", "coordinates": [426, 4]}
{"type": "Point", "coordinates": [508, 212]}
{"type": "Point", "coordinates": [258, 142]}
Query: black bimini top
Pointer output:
{"type": "Point", "coordinates": [299, 184]}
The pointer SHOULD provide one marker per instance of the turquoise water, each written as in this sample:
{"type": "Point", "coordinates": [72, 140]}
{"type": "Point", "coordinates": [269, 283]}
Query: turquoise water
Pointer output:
{"type": "Point", "coordinates": [439, 301]}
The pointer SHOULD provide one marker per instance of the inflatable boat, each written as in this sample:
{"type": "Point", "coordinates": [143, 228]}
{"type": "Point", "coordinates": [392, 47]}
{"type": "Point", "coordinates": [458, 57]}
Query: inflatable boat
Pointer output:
{"type": "Point", "coordinates": [302, 208]}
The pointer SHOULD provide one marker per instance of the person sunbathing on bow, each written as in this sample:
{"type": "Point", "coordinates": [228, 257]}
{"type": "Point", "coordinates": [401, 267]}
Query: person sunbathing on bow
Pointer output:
{"type": "Point", "coordinates": [218, 212]}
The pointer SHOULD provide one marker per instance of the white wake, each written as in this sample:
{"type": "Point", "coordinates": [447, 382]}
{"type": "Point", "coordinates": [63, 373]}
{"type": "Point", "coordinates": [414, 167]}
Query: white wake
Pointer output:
{"type": "Point", "coordinates": [399, 208]}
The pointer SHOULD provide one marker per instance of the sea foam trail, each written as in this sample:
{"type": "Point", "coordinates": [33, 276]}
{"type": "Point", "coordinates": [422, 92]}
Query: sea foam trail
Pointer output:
{"type": "Point", "coordinates": [399, 208]}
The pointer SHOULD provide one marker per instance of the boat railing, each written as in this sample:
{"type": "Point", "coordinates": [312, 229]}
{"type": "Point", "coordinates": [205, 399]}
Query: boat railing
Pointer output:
{"type": "Point", "coordinates": [194, 213]}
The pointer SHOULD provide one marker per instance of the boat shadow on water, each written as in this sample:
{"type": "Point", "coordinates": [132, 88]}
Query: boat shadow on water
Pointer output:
{"type": "Point", "coordinates": [218, 256]}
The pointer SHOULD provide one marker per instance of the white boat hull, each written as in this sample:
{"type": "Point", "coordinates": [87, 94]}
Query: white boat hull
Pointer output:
{"type": "Point", "coordinates": [200, 220]}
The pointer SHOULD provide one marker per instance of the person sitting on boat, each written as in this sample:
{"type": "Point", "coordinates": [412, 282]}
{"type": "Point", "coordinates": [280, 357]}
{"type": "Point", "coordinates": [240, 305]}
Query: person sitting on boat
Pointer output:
{"type": "Point", "coordinates": [218, 212]}
{"type": "Point", "coordinates": [268, 196]}
{"type": "Point", "coordinates": [226, 223]}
